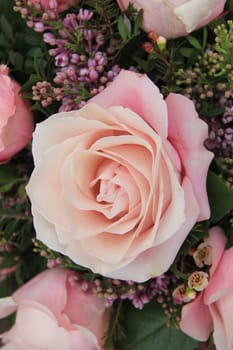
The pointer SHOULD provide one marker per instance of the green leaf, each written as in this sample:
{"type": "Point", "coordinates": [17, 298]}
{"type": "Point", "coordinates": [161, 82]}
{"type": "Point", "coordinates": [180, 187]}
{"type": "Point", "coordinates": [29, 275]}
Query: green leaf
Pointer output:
{"type": "Point", "coordinates": [7, 179]}
{"type": "Point", "coordinates": [138, 22]}
{"type": "Point", "coordinates": [6, 28]}
{"type": "Point", "coordinates": [16, 59]}
{"type": "Point", "coordinates": [10, 228]}
{"type": "Point", "coordinates": [6, 175]}
{"type": "Point", "coordinates": [123, 27]}
{"type": "Point", "coordinates": [220, 197]}
{"type": "Point", "coordinates": [186, 52]}
{"type": "Point", "coordinates": [4, 42]}
{"type": "Point", "coordinates": [194, 42]}
{"type": "Point", "coordinates": [7, 262]}
{"type": "Point", "coordinates": [204, 38]}
{"type": "Point", "coordinates": [146, 329]}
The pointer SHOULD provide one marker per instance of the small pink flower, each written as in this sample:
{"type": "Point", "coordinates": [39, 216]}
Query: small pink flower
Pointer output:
{"type": "Point", "coordinates": [212, 309]}
{"type": "Point", "coordinates": [175, 18]}
{"type": "Point", "coordinates": [53, 313]}
{"type": "Point", "coordinates": [118, 184]}
{"type": "Point", "coordinates": [16, 124]}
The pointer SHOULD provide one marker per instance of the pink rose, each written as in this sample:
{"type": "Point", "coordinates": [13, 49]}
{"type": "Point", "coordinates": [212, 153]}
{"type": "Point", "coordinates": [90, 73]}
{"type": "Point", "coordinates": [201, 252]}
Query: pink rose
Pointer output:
{"type": "Point", "coordinates": [16, 123]}
{"type": "Point", "coordinates": [212, 310]}
{"type": "Point", "coordinates": [52, 312]}
{"type": "Point", "coordinates": [61, 5]}
{"type": "Point", "coordinates": [175, 18]}
{"type": "Point", "coordinates": [119, 184]}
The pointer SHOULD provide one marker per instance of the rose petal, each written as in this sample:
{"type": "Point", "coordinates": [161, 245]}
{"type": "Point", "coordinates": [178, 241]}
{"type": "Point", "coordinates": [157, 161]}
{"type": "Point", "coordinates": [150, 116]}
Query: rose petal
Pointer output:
{"type": "Point", "coordinates": [188, 138]}
{"type": "Point", "coordinates": [220, 283]}
{"type": "Point", "coordinates": [34, 317]}
{"type": "Point", "coordinates": [37, 290]}
{"type": "Point", "coordinates": [222, 318]}
{"type": "Point", "coordinates": [138, 93]}
{"type": "Point", "coordinates": [151, 263]}
{"type": "Point", "coordinates": [217, 240]}
{"type": "Point", "coordinates": [196, 13]}
{"type": "Point", "coordinates": [196, 320]}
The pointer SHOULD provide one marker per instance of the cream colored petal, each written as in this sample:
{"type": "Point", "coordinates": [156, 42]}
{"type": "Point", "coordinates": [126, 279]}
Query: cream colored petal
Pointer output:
{"type": "Point", "coordinates": [109, 248]}
{"type": "Point", "coordinates": [45, 188]}
{"type": "Point", "coordinates": [193, 12]}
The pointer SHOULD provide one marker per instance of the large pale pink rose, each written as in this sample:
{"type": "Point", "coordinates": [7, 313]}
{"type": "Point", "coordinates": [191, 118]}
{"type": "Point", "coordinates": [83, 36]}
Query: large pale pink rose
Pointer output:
{"type": "Point", "coordinates": [212, 310]}
{"type": "Point", "coordinates": [174, 18]}
{"type": "Point", "coordinates": [16, 123]}
{"type": "Point", "coordinates": [119, 184]}
{"type": "Point", "coordinates": [61, 5]}
{"type": "Point", "coordinates": [52, 312]}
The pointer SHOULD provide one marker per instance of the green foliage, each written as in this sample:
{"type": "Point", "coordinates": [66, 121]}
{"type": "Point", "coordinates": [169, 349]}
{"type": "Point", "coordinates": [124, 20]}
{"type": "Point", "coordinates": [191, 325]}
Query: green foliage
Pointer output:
{"type": "Point", "coordinates": [146, 329]}
{"type": "Point", "coordinates": [107, 10]}
{"type": "Point", "coordinates": [205, 72]}
{"type": "Point", "coordinates": [220, 197]}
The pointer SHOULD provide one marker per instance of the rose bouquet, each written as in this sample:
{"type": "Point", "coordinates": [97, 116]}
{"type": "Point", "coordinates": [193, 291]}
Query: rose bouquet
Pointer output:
{"type": "Point", "coordinates": [116, 174]}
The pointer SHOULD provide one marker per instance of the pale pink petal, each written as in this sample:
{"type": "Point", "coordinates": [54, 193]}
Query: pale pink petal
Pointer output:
{"type": "Point", "coordinates": [138, 93]}
{"type": "Point", "coordinates": [6, 94]}
{"type": "Point", "coordinates": [217, 240]}
{"type": "Point", "coordinates": [46, 232]}
{"type": "Point", "coordinates": [43, 180]}
{"type": "Point", "coordinates": [47, 289]}
{"type": "Point", "coordinates": [174, 215]}
{"type": "Point", "coordinates": [151, 263]}
{"type": "Point", "coordinates": [197, 13]}
{"type": "Point", "coordinates": [158, 16]}
{"type": "Point", "coordinates": [196, 320]}
{"type": "Point", "coordinates": [222, 281]}
{"type": "Point", "coordinates": [78, 254]}
{"type": "Point", "coordinates": [175, 18]}
{"type": "Point", "coordinates": [87, 310]}
{"type": "Point", "coordinates": [82, 339]}
{"type": "Point", "coordinates": [108, 248]}
{"type": "Point", "coordinates": [31, 317]}
{"type": "Point", "coordinates": [187, 133]}
{"type": "Point", "coordinates": [69, 125]}
{"type": "Point", "coordinates": [221, 312]}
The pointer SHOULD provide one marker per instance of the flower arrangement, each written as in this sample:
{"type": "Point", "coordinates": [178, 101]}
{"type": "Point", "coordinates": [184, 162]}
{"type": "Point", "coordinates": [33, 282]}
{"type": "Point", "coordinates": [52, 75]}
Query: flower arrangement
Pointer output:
{"type": "Point", "coordinates": [116, 174]}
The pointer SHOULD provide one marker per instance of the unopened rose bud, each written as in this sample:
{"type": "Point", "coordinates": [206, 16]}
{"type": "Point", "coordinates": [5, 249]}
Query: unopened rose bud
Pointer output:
{"type": "Point", "coordinates": [148, 47]}
{"type": "Point", "coordinates": [161, 42]}
{"type": "Point", "coordinates": [152, 36]}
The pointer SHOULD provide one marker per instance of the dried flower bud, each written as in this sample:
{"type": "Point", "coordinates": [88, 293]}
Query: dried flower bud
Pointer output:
{"type": "Point", "coordinates": [183, 295]}
{"type": "Point", "coordinates": [203, 255]}
{"type": "Point", "coordinates": [198, 280]}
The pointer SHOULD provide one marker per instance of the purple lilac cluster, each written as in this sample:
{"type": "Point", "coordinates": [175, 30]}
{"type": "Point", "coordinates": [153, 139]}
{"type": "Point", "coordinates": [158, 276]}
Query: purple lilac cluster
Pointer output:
{"type": "Point", "coordinates": [138, 293]}
{"type": "Point", "coordinates": [220, 139]}
{"type": "Point", "coordinates": [81, 64]}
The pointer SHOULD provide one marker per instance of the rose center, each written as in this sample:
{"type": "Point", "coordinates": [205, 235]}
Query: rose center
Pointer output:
{"type": "Point", "coordinates": [110, 188]}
